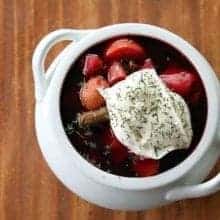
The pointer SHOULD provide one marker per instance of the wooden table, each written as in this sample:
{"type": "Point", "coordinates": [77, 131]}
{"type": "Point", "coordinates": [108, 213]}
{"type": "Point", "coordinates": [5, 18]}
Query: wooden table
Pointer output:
{"type": "Point", "coordinates": [28, 189]}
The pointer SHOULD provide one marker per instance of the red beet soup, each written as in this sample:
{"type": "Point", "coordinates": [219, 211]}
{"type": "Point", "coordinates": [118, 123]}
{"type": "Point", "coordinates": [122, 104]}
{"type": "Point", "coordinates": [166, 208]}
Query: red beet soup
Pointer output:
{"type": "Point", "coordinates": [106, 64]}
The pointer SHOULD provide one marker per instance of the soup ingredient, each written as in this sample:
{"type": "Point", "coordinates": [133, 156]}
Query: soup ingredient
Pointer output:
{"type": "Point", "coordinates": [116, 73]}
{"type": "Point", "coordinates": [92, 65]}
{"type": "Point", "coordinates": [146, 167]}
{"type": "Point", "coordinates": [181, 83]}
{"type": "Point", "coordinates": [130, 65]}
{"type": "Point", "coordinates": [148, 63]}
{"type": "Point", "coordinates": [119, 151]}
{"type": "Point", "coordinates": [146, 116]}
{"type": "Point", "coordinates": [89, 96]}
{"type": "Point", "coordinates": [124, 48]}
{"type": "Point", "coordinates": [92, 117]}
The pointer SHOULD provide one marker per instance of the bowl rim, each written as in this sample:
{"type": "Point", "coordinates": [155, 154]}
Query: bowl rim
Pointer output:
{"type": "Point", "coordinates": [205, 71]}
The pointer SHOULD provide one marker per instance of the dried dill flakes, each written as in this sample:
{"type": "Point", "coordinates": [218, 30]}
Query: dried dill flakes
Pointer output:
{"type": "Point", "coordinates": [71, 127]}
{"type": "Point", "coordinates": [92, 145]}
{"type": "Point", "coordinates": [148, 118]}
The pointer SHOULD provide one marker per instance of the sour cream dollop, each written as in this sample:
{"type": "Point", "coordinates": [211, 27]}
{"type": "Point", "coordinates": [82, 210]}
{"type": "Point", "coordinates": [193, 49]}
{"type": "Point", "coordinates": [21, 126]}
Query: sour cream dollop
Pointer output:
{"type": "Point", "coordinates": [145, 116]}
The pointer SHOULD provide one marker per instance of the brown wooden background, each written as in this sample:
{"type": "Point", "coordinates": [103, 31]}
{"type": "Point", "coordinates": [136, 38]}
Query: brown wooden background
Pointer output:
{"type": "Point", "coordinates": [28, 189]}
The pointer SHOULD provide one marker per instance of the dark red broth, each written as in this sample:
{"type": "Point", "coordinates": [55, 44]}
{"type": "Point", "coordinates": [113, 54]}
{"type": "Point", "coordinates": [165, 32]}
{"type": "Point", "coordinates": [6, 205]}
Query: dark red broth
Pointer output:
{"type": "Point", "coordinates": [90, 141]}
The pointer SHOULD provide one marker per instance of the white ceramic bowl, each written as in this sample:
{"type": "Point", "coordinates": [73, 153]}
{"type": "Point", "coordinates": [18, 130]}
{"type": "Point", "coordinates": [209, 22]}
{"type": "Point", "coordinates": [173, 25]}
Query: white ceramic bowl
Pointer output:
{"type": "Point", "coordinates": [93, 184]}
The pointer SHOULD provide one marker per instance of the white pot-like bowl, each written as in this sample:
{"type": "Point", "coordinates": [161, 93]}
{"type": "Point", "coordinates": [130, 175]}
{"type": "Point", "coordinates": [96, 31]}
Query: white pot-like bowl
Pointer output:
{"type": "Point", "coordinates": [93, 184]}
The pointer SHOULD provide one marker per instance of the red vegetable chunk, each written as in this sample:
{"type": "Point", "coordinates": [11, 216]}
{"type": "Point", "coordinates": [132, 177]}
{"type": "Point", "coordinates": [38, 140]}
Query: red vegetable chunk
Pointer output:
{"type": "Point", "coordinates": [146, 167]}
{"type": "Point", "coordinates": [89, 96]}
{"type": "Point", "coordinates": [119, 151]}
{"type": "Point", "coordinates": [92, 65]}
{"type": "Point", "coordinates": [181, 83]}
{"type": "Point", "coordinates": [116, 73]}
{"type": "Point", "coordinates": [124, 48]}
{"type": "Point", "coordinates": [148, 63]}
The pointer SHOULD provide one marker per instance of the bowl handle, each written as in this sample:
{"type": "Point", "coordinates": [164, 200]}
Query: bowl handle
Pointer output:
{"type": "Point", "coordinates": [194, 191]}
{"type": "Point", "coordinates": [41, 79]}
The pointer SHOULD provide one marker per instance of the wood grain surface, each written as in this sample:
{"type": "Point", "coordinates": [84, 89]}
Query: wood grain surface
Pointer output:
{"type": "Point", "coordinates": [28, 188]}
